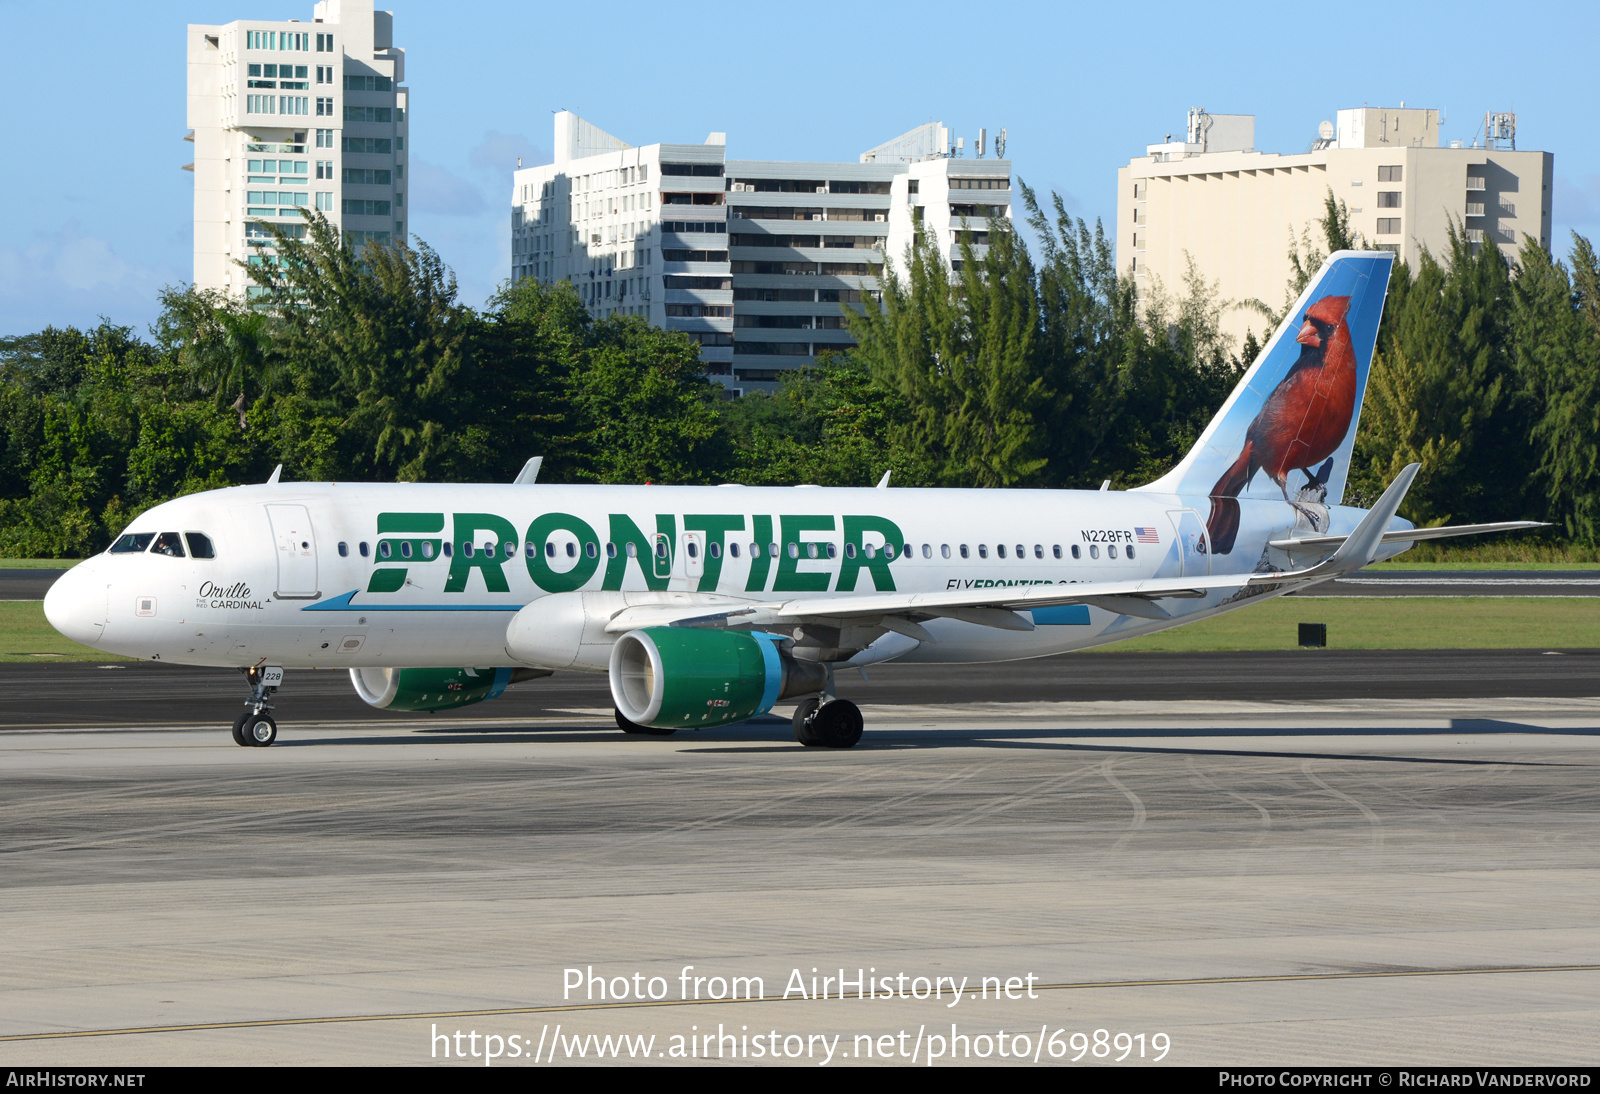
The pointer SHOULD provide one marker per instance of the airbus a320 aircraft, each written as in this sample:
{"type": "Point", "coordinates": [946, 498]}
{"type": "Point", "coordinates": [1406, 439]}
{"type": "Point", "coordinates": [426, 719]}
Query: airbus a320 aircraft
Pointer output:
{"type": "Point", "coordinates": [708, 605]}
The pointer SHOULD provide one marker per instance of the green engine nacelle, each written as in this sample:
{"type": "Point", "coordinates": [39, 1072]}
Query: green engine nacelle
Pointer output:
{"type": "Point", "coordinates": [428, 689]}
{"type": "Point", "coordinates": [683, 677]}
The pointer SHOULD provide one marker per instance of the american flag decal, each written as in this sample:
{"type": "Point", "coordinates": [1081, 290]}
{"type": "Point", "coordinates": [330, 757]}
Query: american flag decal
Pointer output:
{"type": "Point", "coordinates": [1146, 535]}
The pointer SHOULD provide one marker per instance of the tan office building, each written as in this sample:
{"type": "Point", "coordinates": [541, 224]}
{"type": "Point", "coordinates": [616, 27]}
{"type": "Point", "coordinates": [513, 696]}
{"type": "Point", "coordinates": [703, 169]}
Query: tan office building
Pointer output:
{"type": "Point", "coordinates": [1214, 198]}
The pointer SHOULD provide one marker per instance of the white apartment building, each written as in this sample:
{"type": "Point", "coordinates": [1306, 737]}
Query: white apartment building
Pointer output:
{"type": "Point", "coordinates": [1214, 198]}
{"type": "Point", "coordinates": [285, 116]}
{"type": "Point", "coordinates": [753, 259]}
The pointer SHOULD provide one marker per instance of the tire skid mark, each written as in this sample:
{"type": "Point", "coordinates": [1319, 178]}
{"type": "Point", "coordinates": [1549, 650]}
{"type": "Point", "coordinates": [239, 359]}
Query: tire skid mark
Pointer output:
{"type": "Point", "coordinates": [1372, 818]}
{"type": "Point", "coordinates": [1139, 812]}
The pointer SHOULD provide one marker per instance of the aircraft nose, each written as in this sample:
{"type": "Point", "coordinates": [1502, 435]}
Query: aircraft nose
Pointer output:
{"type": "Point", "coordinates": [76, 605]}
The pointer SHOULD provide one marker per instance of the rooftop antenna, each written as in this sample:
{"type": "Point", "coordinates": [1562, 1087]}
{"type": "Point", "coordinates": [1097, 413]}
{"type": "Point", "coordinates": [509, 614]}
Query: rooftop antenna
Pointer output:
{"type": "Point", "coordinates": [1000, 144]}
{"type": "Point", "coordinates": [983, 135]}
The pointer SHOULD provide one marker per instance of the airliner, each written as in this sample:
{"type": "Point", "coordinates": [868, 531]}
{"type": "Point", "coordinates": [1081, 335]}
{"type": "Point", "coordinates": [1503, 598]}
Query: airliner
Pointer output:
{"type": "Point", "coordinates": [708, 605]}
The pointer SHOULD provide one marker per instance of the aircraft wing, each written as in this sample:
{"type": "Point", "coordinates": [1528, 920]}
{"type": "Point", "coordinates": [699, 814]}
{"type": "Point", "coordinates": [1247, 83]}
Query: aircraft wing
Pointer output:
{"type": "Point", "coordinates": [990, 607]}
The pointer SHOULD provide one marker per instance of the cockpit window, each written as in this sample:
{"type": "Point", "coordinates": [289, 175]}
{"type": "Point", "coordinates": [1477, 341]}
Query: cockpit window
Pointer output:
{"type": "Point", "coordinates": [199, 545]}
{"type": "Point", "coordinates": [168, 543]}
{"type": "Point", "coordinates": [131, 543]}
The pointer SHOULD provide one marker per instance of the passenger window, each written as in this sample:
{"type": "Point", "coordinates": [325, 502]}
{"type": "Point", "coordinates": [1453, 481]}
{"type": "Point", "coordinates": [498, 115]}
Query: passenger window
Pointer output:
{"type": "Point", "coordinates": [405, 548]}
{"type": "Point", "coordinates": [169, 544]}
{"type": "Point", "coordinates": [927, 550]}
{"type": "Point", "coordinates": [1022, 552]}
{"type": "Point", "coordinates": [611, 549]}
{"type": "Point", "coordinates": [383, 549]}
{"type": "Point", "coordinates": [448, 549]}
{"type": "Point", "coordinates": [755, 550]}
{"type": "Point", "coordinates": [1075, 552]}
{"type": "Point", "coordinates": [661, 548]}
{"type": "Point", "coordinates": [1001, 549]}
{"type": "Point", "coordinates": [200, 545]}
{"type": "Point", "coordinates": [694, 549]}
{"type": "Point", "coordinates": [850, 550]}
{"type": "Point", "coordinates": [983, 550]}
{"type": "Point", "coordinates": [1111, 550]}
{"type": "Point", "coordinates": [466, 548]}
{"type": "Point", "coordinates": [1038, 550]}
{"type": "Point", "coordinates": [1130, 550]}
{"type": "Point", "coordinates": [427, 548]}
{"type": "Point", "coordinates": [944, 550]}
{"type": "Point", "coordinates": [132, 543]}
{"type": "Point", "coordinates": [794, 550]}
{"type": "Point", "coordinates": [511, 549]}
{"type": "Point", "coordinates": [811, 550]}
{"type": "Point", "coordinates": [964, 553]}
{"type": "Point", "coordinates": [591, 550]}
{"type": "Point", "coordinates": [733, 549]}
{"type": "Point", "coordinates": [888, 550]}
{"type": "Point", "coordinates": [833, 550]}
{"type": "Point", "coordinates": [344, 548]}
{"type": "Point", "coordinates": [529, 550]}
{"type": "Point", "coordinates": [772, 550]}
{"type": "Point", "coordinates": [1057, 550]}
{"type": "Point", "coordinates": [905, 549]}
{"type": "Point", "coordinates": [362, 547]}
{"type": "Point", "coordinates": [633, 550]}
{"type": "Point", "coordinates": [871, 551]}
{"type": "Point", "coordinates": [549, 549]}
{"type": "Point", "coordinates": [572, 550]}
{"type": "Point", "coordinates": [1094, 551]}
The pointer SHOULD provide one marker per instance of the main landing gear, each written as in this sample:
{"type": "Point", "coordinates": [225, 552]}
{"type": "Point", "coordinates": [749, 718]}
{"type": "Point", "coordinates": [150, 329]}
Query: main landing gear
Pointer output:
{"type": "Point", "coordinates": [836, 723]}
{"type": "Point", "coordinates": [255, 727]}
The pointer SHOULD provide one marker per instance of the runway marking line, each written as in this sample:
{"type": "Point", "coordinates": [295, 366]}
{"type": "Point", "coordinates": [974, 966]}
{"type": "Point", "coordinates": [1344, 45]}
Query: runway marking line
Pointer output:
{"type": "Point", "coordinates": [1198, 981]}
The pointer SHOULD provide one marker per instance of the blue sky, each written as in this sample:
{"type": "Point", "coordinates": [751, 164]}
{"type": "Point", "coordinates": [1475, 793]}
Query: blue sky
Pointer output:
{"type": "Point", "coordinates": [99, 214]}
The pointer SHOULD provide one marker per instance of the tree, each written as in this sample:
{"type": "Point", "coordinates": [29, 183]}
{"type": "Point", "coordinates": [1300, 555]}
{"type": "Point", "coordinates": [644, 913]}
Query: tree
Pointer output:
{"type": "Point", "coordinates": [959, 352]}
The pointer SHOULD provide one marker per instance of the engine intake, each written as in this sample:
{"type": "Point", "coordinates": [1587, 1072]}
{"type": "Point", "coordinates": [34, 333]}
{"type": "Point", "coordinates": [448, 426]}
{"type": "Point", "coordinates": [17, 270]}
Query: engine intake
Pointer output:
{"type": "Point", "coordinates": [433, 689]}
{"type": "Point", "coordinates": [680, 677]}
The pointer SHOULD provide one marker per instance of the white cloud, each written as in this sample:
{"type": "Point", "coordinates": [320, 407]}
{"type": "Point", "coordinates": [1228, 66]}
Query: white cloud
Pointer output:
{"type": "Point", "coordinates": [66, 277]}
{"type": "Point", "coordinates": [437, 190]}
{"type": "Point", "coordinates": [497, 154]}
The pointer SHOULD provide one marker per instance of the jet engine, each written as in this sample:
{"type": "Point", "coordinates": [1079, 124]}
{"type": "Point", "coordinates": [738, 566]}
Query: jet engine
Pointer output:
{"type": "Point", "coordinates": [692, 677]}
{"type": "Point", "coordinates": [434, 689]}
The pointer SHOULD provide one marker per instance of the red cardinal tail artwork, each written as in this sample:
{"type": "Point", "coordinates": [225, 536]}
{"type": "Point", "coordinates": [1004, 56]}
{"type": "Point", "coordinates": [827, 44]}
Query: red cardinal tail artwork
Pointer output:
{"type": "Point", "coordinates": [1303, 422]}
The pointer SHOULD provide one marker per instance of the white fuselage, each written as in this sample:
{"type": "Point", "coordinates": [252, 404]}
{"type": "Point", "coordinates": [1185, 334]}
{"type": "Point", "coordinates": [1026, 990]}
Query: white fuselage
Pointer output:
{"type": "Point", "coordinates": [337, 575]}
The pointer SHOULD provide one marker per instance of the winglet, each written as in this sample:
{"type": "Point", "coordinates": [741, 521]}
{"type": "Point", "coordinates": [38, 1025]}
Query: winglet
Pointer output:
{"type": "Point", "coordinates": [1360, 546]}
{"type": "Point", "coordinates": [529, 472]}
{"type": "Point", "coordinates": [883, 483]}
{"type": "Point", "coordinates": [272, 479]}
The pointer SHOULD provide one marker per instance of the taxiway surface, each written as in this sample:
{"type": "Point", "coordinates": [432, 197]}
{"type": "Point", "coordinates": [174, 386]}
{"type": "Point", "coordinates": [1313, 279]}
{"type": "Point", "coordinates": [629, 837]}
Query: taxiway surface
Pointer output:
{"type": "Point", "coordinates": [1275, 880]}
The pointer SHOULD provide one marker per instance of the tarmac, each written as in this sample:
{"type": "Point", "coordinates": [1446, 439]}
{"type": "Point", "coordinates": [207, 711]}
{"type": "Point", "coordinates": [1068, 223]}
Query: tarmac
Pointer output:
{"type": "Point", "coordinates": [1263, 872]}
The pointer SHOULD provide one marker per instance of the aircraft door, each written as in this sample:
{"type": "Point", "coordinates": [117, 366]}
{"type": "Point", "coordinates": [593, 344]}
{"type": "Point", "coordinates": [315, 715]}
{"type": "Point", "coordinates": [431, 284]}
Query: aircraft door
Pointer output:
{"type": "Point", "coordinates": [296, 547]}
{"type": "Point", "coordinates": [1193, 546]}
{"type": "Point", "coordinates": [694, 550]}
{"type": "Point", "coordinates": [661, 556]}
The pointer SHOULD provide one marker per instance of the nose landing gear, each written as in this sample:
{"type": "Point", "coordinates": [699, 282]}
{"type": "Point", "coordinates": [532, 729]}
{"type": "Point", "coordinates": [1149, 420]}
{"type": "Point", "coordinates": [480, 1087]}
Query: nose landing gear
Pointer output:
{"type": "Point", "coordinates": [255, 727]}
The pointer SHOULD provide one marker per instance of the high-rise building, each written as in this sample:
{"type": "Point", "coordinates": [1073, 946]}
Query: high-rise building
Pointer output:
{"type": "Point", "coordinates": [287, 116]}
{"type": "Point", "coordinates": [754, 259]}
{"type": "Point", "coordinates": [1213, 198]}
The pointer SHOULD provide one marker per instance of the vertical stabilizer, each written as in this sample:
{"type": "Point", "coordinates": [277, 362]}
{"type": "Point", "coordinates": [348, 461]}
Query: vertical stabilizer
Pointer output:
{"type": "Point", "coordinates": [1288, 428]}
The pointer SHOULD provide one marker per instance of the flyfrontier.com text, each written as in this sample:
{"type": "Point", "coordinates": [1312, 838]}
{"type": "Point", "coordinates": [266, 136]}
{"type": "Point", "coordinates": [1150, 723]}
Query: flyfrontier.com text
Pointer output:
{"type": "Point", "coordinates": [591, 987]}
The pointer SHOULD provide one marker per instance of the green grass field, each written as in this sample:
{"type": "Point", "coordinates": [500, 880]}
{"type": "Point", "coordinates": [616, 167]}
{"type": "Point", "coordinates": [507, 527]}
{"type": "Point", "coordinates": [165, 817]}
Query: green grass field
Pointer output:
{"type": "Point", "coordinates": [26, 636]}
{"type": "Point", "coordinates": [38, 563]}
{"type": "Point", "coordinates": [1524, 622]}
{"type": "Point", "coordinates": [1399, 623]}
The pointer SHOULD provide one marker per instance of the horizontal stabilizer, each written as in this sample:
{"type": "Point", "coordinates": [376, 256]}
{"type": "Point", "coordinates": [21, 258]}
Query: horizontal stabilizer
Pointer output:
{"type": "Point", "coordinates": [1408, 535]}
